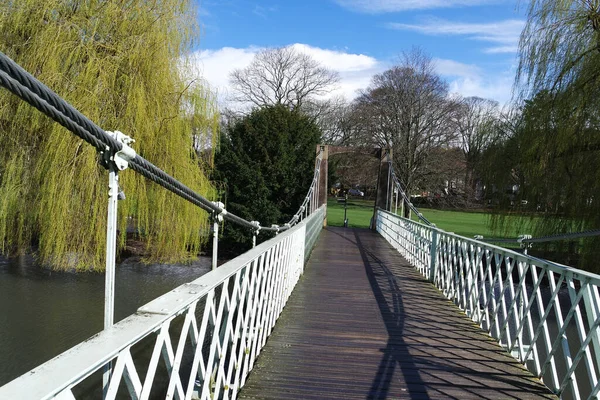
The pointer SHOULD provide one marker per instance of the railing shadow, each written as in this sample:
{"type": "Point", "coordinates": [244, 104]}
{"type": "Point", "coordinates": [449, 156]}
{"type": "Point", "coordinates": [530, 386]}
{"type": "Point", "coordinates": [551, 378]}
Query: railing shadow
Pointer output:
{"type": "Point", "coordinates": [389, 299]}
{"type": "Point", "coordinates": [431, 350]}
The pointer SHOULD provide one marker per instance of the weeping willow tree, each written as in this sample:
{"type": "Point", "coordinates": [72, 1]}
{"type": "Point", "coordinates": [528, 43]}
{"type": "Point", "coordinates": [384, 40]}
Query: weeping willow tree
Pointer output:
{"type": "Point", "coordinates": [555, 155]}
{"type": "Point", "coordinates": [119, 63]}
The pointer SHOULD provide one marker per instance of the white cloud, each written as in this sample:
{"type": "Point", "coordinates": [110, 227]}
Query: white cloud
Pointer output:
{"type": "Point", "coordinates": [470, 80]}
{"type": "Point", "coordinates": [455, 68]}
{"type": "Point", "coordinates": [215, 66]}
{"type": "Point", "coordinates": [383, 6]}
{"type": "Point", "coordinates": [501, 49]}
{"type": "Point", "coordinates": [504, 33]}
{"type": "Point", "coordinates": [356, 71]}
{"type": "Point", "coordinates": [338, 60]}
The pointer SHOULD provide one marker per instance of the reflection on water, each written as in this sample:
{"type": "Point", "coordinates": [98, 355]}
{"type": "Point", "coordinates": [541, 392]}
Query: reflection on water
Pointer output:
{"type": "Point", "coordinates": [43, 313]}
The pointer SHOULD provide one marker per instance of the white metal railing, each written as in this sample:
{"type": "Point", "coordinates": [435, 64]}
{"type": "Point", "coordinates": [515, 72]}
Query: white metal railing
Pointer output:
{"type": "Point", "coordinates": [208, 332]}
{"type": "Point", "coordinates": [116, 156]}
{"type": "Point", "coordinates": [545, 314]}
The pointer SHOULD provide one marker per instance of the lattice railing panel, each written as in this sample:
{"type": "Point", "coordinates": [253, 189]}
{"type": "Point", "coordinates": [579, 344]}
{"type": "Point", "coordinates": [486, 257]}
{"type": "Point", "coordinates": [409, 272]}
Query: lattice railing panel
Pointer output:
{"type": "Point", "coordinates": [545, 314]}
{"type": "Point", "coordinates": [198, 341]}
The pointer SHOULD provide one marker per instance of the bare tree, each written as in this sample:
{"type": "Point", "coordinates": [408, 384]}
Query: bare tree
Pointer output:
{"type": "Point", "coordinates": [282, 75]}
{"type": "Point", "coordinates": [408, 109]}
{"type": "Point", "coordinates": [334, 117]}
{"type": "Point", "coordinates": [476, 122]}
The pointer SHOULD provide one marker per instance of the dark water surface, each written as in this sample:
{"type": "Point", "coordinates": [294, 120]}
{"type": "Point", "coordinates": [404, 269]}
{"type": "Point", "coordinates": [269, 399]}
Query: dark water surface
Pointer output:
{"type": "Point", "coordinates": [43, 313]}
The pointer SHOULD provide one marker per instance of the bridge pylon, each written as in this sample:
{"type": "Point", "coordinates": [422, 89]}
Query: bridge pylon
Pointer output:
{"type": "Point", "coordinates": [322, 189]}
{"type": "Point", "coordinates": [384, 181]}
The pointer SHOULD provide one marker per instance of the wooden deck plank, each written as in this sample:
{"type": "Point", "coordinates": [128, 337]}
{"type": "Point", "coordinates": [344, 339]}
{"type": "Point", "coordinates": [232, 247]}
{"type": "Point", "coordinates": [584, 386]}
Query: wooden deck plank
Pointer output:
{"type": "Point", "coordinates": [363, 324]}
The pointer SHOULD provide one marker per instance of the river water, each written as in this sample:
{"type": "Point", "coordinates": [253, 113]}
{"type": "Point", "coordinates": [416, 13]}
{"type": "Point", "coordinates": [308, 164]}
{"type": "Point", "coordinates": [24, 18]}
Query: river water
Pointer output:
{"type": "Point", "coordinates": [43, 313]}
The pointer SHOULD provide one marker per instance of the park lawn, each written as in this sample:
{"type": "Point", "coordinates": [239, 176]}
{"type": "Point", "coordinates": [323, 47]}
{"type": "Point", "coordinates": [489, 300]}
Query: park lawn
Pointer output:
{"type": "Point", "coordinates": [463, 223]}
{"type": "Point", "coordinates": [359, 213]}
{"type": "Point", "coordinates": [466, 224]}
{"type": "Point", "coordinates": [473, 223]}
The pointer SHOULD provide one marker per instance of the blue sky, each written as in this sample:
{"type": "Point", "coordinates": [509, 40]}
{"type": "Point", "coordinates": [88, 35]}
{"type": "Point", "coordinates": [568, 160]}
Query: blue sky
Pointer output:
{"type": "Point", "coordinates": [473, 42]}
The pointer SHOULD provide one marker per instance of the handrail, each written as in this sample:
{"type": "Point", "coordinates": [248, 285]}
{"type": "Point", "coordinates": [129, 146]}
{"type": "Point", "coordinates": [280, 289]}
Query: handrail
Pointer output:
{"type": "Point", "coordinates": [117, 155]}
{"type": "Point", "coordinates": [547, 315]}
{"type": "Point", "coordinates": [242, 301]}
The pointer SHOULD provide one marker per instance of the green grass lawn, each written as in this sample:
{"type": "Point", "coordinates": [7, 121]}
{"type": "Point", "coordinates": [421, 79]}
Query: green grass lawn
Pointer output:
{"type": "Point", "coordinates": [473, 223]}
{"type": "Point", "coordinates": [469, 224]}
{"type": "Point", "coordinates": [463, 223]}
{"type": "Point", "coordinates": [359, 213]}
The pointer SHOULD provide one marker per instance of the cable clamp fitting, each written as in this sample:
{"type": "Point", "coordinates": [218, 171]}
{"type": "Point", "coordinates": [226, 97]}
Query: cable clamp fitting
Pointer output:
{"type": "Point", "coordinates": [122, 157]}
{"type": "Point", "coordinates": [520, 240]}
{"type": "Point", "coordinates": [276, 227]}
{"type": "Point", "coordinates": [219, 217]}
{"type": "Point", "coordinates": [256, 226]}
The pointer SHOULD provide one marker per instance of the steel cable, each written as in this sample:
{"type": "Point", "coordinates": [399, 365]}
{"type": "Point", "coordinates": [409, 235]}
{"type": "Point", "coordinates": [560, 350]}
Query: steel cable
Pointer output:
{"type": "Point", "coordinates": [396, 182]}
{"type": "Point", "coordinates": [549, 238]}
{"type": "Point", "coordinates": [541, 239]}
{"type": "Point", "coordinates": [21, 83]}
{"type": "Point", "coordinates": [88, 131]}
{"type": "Point", "coordinates": [564, 236]}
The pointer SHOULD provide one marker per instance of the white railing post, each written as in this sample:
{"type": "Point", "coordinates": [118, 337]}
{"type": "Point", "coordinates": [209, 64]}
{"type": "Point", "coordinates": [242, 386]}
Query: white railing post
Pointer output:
{"type": "Point", "coordinates": [215, 246]}
{"type": "Point", "coordinates": [387, 198]}
{"type": "Point", "coordinates": [255, 232]}
{"type": "Point", "coordinates": [217, 219]}
{"type": "Point", "coordinates": [109, 275]}
{"type": "Point", "coordinates": [111, 247]}
{"type": "Point", "coordinates": [115, 162]}
{"type": "Point", "coordinates": [433, 254]}
{"type": "Point", "coordinates": [242, 300]}
{"type": "Point", "coordinates": [401, 207]}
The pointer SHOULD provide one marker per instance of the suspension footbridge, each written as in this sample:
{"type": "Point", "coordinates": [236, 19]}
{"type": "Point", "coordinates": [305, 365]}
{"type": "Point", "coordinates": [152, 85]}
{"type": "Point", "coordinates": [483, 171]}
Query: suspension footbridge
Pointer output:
{"type": "Point", "coordinates": [405, 310]}
{"type": "Point", "coordinates": [364, 324]}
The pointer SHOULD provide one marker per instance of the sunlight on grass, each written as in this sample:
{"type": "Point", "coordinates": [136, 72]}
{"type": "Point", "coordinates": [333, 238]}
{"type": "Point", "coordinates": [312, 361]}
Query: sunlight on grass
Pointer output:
{"type": "Point", "coordinates": [359, 213]}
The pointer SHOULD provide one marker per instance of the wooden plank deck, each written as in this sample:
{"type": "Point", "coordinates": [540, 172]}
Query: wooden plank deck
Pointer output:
{"type": "Point", "coordinates": [363, 324]}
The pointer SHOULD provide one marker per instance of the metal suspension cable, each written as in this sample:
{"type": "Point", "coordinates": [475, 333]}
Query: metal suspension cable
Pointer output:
{"type": "Point", "coordinates": [564, 236]}
{"type": "Point", "coordinates": [542, 239]}
{"type": "Point", "coordinates": [521, 239]}
{"type": "Point", "coordinates": [398, 186]}
{"type": "Point", "coordinates": [21, 83]}
{"type": "Point", "coordinates": [313, 186]}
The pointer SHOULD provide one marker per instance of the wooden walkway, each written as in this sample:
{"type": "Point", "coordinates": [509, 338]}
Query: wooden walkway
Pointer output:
{"type": "Point", "coordinates": [363, 324]}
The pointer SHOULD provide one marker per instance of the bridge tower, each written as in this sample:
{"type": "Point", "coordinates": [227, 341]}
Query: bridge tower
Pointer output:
{"type": "Point", "coordinates": [384, 180]}
{"type": "Point", "coordinates": [322, 189]}
{"type": "Point", "coordinates": [384, 184]}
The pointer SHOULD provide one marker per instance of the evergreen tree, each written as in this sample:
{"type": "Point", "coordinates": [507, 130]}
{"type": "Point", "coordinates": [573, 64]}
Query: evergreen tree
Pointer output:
{"type": "Point", "coordinates": [119, 63]}
{"type": "Point", "coordinates": [266, 163]}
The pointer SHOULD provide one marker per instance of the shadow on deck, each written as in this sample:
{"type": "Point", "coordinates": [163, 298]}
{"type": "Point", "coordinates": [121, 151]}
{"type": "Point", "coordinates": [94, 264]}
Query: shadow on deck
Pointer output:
{"type": "Point", "coordinates": [364, 324]}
